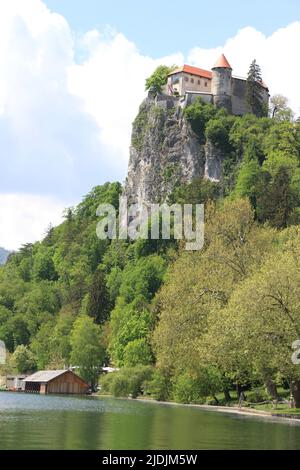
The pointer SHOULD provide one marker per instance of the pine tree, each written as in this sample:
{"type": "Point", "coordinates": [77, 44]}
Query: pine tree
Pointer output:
{"type": "Point", "coordinates": [254, 90]}
{"type": "Point", "coordinates": [275, 198]}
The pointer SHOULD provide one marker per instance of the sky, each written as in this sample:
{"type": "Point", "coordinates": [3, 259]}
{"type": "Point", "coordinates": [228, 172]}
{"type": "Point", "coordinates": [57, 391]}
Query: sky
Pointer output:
{"type": "Point", "coordinates": [72, 76]}
{"type": "Point", "coordinates": [163, 27]}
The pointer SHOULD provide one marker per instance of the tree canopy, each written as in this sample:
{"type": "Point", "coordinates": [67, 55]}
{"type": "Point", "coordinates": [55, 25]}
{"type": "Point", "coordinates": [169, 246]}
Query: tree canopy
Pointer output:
{"type": "Point", "coordinates": [179, 325]}
{"type": "Point", "coordinates": [158, 79]}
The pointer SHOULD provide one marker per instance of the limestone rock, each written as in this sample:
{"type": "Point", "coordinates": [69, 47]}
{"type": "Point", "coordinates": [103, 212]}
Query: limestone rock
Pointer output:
{"type": "Point", "coordinates": [165, 152]}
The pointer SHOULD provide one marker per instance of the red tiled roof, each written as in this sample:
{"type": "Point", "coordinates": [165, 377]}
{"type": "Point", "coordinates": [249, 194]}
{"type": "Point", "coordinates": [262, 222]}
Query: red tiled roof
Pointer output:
{"type": "Point", "coordinates": [222, 62]}
{"type": "Point", "coordinates": [193, 71]}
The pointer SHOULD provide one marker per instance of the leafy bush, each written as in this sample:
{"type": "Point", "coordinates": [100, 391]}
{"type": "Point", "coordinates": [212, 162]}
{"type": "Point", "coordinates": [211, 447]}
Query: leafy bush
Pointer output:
{"type": "Point", "coordinates": [217, 131]}
{"type": "Point", "coordinates": [23, 359]}
{"type": "Point", "coordinates": [186, 389]}
{"type": "Point", "coordinates": [105, 383]}
{"type": "Point", "coordinates": [160, 386]}
{"type": "Point", "coordinates": [194, 388]}
{"type": "Point", "coordinates": [159, 78]}
{"type": "Point", "coordinates": [137, 352]}
{"type": "Point", "coordinates": [126, 382]}
{"type": "Point", "coordinates": [198, 191]}
{"type": "Point", "coordinates": [247, 179]}
{"type": "Point", "coordinates": [120, 386]}
{"type": "Point", "coordinates": [257, 396]}
{"type": "Point", "coordinates": [198, 114]}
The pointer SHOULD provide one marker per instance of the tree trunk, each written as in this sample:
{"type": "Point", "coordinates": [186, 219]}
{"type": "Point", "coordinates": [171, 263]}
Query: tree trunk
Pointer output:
{"type": "Point", "coordinates": [295, 389]}
{"type": "Point", "coordinates": [227, 395]}
{"type": "Point", "coordinates": [238, 390]}
{"type": "Point", "coordinates": [216, 400]}
{"type": "Point", "coordinates": [271, 389]}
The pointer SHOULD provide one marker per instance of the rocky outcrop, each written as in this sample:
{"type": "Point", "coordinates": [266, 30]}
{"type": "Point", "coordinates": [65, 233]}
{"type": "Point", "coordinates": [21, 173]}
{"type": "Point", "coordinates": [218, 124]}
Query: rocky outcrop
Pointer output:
{"type": "Point", "coordinates": [166, 152]}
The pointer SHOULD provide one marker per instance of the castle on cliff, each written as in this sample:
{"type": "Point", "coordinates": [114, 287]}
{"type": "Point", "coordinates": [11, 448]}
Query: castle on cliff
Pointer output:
{"type": "Point", "coordinates": [165, 151]}
{"type": "Point", "coordinates": [218, 87]}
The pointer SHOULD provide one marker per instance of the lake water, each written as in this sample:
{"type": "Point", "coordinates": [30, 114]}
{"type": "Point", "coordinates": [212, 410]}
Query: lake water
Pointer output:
{"type": "Point", "coordinates": [52, 422]}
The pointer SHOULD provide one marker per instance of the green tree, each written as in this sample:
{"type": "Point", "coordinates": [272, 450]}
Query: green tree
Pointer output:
{"type": "Point", "coordinates": [263, 203]}
{"type": "Point", "coordinates": [199, 191]}
{"type": "Point", "coordinates": [87, 351]}
{"type": "Point", "coordinates": [158, 79]}
{"type": "Point", "coordinates": [283, 199]}
{"type": "Point", "coordinates": [282, 147]}
{"type": "Point", "coordinates": [199, 114]}
{"type": "Point", "coordinates": [98, 298]}
{"type": "Point", "coordinates": [130, 327]}
{"type": "Point", "coordinates": [218, 130]}
{"type": "Point", "coordinates": [193, 387]}
{"type": "Point", "coordinates": [23, 359]}
{"type": "Point", "coordinates": [141, 277]}
{"type": "Point", "coordinates": [276, 198]}
{"type": "Point", "coordinates": [247, 137]}
{"type": "Point", "coordinates": [137, 352]}
{"type": "Point", "coordinates": [247, 180]}
{"type": "Point", "coordinates": [43, 268]}
{"type": "Point", "coordinates": [262, 321]}
{"type": "Point", "coordinates": [60, 347]}
{"type": "Point", "coordinates": [41, 345]}
{"type": "Point", "coordinates": [201, 282]}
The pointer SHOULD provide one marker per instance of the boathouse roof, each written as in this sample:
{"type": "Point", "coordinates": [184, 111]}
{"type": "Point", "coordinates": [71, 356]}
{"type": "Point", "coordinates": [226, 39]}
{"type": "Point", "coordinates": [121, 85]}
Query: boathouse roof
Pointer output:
{"type": "Point", "coordinates": [45, 375]}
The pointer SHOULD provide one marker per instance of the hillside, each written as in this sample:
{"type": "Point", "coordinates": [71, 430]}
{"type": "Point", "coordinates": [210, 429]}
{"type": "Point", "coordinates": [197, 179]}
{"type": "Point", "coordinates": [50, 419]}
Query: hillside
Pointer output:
{"type": "Point", "coordinates": [208, 321]}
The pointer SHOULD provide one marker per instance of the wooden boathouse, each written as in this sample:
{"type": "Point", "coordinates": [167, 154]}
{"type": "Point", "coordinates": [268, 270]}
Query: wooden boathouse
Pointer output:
{"type": "Point", "coordinates": [55, 381]}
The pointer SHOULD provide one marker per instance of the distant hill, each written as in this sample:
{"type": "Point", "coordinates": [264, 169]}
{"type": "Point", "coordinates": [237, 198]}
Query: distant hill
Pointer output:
{"type": "Point", "coordinates": [3, 255]}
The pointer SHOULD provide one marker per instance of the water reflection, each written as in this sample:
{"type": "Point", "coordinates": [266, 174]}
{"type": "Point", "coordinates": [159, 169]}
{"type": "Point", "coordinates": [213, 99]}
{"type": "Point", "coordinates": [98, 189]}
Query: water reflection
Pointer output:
{"type": "Point", "coordinates": [48, 422]}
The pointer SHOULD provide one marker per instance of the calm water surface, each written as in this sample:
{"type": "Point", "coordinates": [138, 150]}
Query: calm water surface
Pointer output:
{"type": "Point", "coordinates": [50, 422]}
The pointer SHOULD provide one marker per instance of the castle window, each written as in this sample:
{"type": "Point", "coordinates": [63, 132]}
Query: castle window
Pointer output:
{"type": "Point", "coordinates": [205, 84]}
{"type": "Point", "coordinates": [192, 80]}
{"type": "Point", "coordinates": [199, 82]}
{"type": "Point", "coordinates": [186, 79]}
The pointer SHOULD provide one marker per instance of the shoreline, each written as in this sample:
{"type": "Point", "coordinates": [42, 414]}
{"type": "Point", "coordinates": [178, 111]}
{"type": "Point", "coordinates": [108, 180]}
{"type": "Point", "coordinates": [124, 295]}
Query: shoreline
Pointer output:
{"type": "Point", "coordinates": [250, 412]}
{"type": "Point", "coordinates": [228, 409]}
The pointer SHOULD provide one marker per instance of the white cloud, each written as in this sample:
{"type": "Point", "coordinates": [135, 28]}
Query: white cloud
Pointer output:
{"type": "Point", "coordinates": [24, 218]}
{"type": "Point", "coordinates": [65, 126]}
{"type": "Point", "coordinates": [111, 82]}
{"type": "Point", "coordinates": [49, 144]}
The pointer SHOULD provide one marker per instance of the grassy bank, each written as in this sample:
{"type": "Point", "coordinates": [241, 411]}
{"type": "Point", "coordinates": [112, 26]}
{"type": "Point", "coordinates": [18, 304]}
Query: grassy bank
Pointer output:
{"type": "Point", "coordinates": [147, 383]}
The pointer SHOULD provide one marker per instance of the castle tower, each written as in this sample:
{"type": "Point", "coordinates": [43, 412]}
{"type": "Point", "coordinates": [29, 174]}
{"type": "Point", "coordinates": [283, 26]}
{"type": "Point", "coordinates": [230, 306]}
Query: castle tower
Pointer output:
{"type": "Point", "coordinates": [221, 87]}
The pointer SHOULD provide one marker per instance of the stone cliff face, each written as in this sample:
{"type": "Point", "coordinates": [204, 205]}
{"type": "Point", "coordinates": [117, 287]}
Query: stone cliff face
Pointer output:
{"type": "Point", "coordinates": [165, 152]}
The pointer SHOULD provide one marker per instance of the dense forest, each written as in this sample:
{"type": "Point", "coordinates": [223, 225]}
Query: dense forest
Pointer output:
{"type": "Point", "coordinates": [179, 325]}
